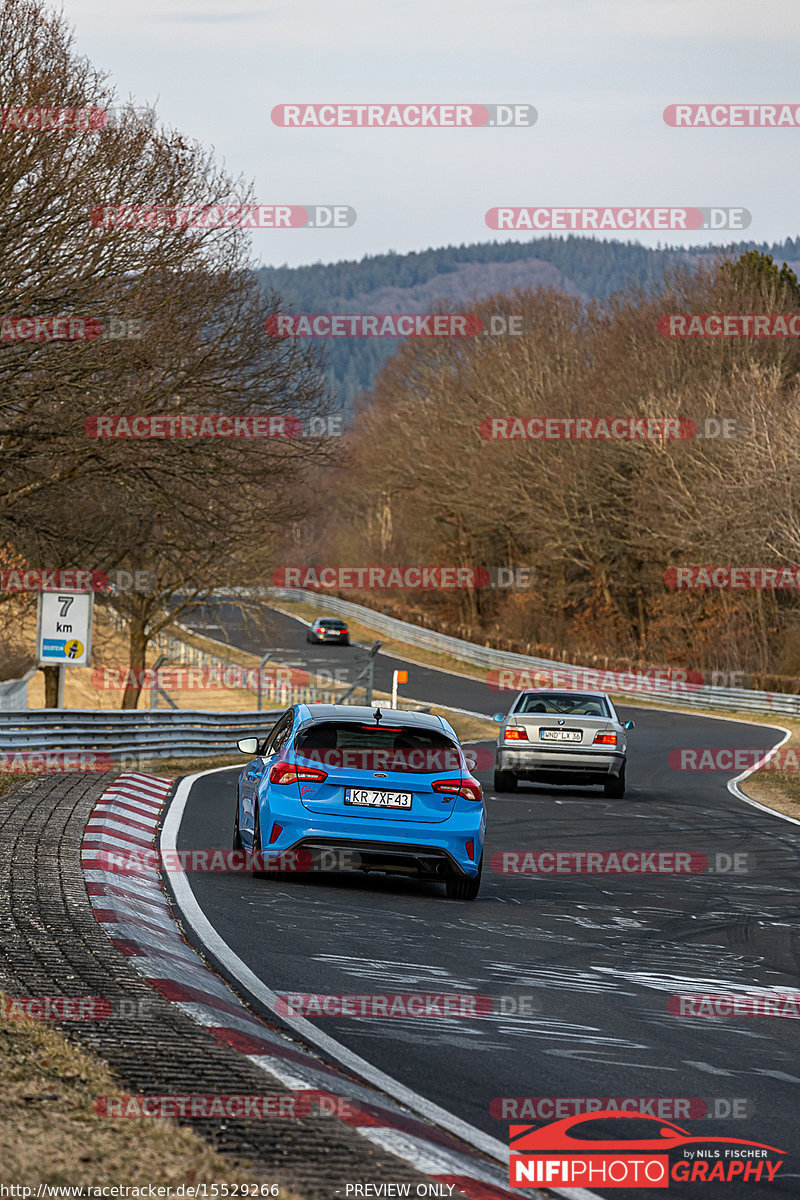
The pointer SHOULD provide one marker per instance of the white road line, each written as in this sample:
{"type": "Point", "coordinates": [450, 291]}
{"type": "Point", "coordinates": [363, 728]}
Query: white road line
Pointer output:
{"type": "Point", "coordinates": [194, 916]}
{"type": "Point", "coordinates": [733, 784]}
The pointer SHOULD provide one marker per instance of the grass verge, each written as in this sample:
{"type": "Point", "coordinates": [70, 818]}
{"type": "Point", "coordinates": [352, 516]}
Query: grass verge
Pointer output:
{"type": "Point", "coordinates": [50, 1133]}
{"type": "Point", "coordinates": [772, 787]}
{"type": "Point", "coordinates": [11, 780]}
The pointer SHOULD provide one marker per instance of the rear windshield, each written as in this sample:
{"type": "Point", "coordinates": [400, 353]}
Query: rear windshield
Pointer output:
{"type": "Point", "coordinates": [355, 745]}
{"type": "Point", "coordinates": [332, 624]}
{"type": "Point", "coordinates": [573, 706]}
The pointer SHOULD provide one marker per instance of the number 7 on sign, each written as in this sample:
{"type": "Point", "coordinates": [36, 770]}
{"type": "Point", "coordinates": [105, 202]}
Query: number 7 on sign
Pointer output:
{"type": "Point", "coordinates": [65, 602]}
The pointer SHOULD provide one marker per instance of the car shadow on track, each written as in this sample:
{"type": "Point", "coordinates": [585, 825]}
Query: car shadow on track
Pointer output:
{"type": "Point", "coordinates": [530, 791]}
{"type": "Point", "coordinates": [357, 881]}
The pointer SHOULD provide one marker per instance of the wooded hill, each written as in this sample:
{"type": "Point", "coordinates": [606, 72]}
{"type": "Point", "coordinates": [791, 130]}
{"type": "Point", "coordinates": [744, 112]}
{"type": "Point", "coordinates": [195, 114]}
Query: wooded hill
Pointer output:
{"type": "Point", "coordinates": [601, 527]}
{"type": "Point", "coordinates": [585, 267]}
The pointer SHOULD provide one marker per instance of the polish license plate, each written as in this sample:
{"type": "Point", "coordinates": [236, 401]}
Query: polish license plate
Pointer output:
{"type": "Point", "coordinates": [368, 798]}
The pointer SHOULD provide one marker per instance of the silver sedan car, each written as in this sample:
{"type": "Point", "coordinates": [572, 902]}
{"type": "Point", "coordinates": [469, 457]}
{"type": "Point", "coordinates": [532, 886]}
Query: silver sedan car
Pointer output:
{"type": "Point", "coordinates": [565, 737]}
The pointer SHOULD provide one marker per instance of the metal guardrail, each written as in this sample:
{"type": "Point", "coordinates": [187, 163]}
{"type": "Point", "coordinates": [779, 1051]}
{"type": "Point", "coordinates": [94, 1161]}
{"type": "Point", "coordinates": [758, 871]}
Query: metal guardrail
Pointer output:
{"type": "Point", "coordinates": [635, 684]}
{"type": "Point", "coordinates": [202, 733]}
{"type": "Point", "coordinates": [151, 733]}
{"type": "Point", "coordinates": [268, 687]}
{"type": "Point", "coordinates": [358, 691]}
{"type": "Point", "coordinates": [147, 733]}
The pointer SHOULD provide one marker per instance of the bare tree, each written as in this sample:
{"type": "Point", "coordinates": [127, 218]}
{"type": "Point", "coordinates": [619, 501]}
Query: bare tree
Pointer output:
{"type": "Point", "coordinates": [189, 513]}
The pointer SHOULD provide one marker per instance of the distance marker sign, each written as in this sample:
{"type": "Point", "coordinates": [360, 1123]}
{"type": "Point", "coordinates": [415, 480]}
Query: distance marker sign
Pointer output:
{"type": "Point", "coordinates": [65, 628]}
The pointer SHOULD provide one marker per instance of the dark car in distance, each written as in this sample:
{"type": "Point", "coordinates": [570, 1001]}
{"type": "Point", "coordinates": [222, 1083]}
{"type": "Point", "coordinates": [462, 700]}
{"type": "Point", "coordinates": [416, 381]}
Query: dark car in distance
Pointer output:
{"type": "Point", "coordinates": [328, 629]}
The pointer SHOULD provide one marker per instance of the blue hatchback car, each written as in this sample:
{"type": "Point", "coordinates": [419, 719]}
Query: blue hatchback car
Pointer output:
{"type": "Point", "coordinates": [374, 789]}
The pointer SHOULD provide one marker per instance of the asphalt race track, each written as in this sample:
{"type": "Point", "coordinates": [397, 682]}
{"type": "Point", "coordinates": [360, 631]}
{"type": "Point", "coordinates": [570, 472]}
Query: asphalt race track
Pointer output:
{"type": "Point", "coordinates": [586, 962]}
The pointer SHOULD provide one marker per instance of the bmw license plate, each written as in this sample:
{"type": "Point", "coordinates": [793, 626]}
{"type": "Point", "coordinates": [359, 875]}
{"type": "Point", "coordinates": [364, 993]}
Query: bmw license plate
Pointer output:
{"type": "Point", "coordinates": [560, 735]}
{"type": "Point", "coordinates": [373, 799]}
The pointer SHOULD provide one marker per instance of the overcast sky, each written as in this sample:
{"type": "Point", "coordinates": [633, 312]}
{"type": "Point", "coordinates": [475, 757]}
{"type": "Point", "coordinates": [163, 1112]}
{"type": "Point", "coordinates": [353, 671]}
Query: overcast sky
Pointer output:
{"type": "Point", "coordinates": [598, 72]}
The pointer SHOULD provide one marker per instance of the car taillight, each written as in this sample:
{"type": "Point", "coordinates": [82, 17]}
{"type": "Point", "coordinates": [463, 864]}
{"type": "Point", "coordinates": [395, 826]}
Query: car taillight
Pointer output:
{"type": "Point", "coordinates": [284, 772]}
{"type": "Point", "coordinates": [469, 789]}
{"type": "Point", "coordinates": [515, 733]}
{"type": "Point", "coordinates": [605, 739]}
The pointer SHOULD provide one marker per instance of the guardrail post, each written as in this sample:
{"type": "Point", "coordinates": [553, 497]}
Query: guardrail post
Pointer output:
{"type": "Point", "coordinates": [155, 690]}
{"type": "Point", "coordinates": [373, 650]}
{"type": "Point", "coordinates": [260, 683]}
{"type": "Point", "coordinates": [53, 685]}
{"type": "Point", "coordinates": [366, 674]}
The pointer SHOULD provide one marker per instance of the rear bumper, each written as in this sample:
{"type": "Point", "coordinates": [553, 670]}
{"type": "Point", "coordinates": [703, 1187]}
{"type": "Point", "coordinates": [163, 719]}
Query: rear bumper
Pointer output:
{"type": "Point", "coordinates": [403, 847]}
{"type": "Point", "coordinates": [395, 858]}
{"type": "Point", "coordinates": [557, 765]}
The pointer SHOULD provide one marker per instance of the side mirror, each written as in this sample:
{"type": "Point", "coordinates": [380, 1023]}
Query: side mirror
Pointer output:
{"type": "Point", "coordinates": [499, 717]}
{"type": "Point", "coordinates": [629, 725]}
{"type": "Point", "coordinates": [248, 745]}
